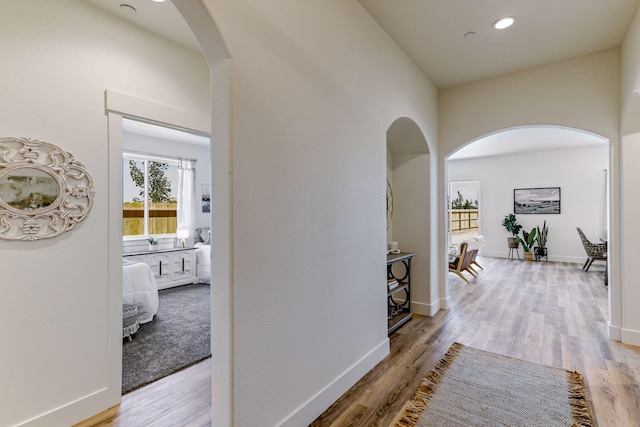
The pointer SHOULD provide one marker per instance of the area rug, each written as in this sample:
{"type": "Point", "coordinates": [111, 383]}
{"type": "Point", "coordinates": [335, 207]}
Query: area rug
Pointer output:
{"type": "Point", "coordinates": [471, 387]}
{"type": "Point", "coordinates": [177, 337]}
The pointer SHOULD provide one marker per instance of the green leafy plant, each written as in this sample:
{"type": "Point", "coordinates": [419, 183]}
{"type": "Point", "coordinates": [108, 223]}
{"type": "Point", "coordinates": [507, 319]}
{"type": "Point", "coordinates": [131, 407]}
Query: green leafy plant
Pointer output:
{"type": "Point", "coordinates": [542, 235]}
{"type": "Point", "coordinates": [511, 224]}
{"type": "Point", "coordinates": [528, 239]}
{"type": "Point", "coordinates": [159, 184]}
{"type": "Point", "coordinates": [152, 241]}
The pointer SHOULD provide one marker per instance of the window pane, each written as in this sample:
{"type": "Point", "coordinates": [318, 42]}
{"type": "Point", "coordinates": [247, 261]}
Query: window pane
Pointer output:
{"type": "Point", "coordinates": [132, 197]}
{"type": "Point", "coordinates": [163, 190]}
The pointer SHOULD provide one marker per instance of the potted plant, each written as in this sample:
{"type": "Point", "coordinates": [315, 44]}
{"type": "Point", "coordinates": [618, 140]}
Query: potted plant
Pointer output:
{"type": "Point", "coordinates": [153, 243]}
{"type": "Point", "coordinates": [527, 240]}
{"type": "Point", "coordinates": [541, 249]}
{"type": "Point", "coordinates": [511, 224]}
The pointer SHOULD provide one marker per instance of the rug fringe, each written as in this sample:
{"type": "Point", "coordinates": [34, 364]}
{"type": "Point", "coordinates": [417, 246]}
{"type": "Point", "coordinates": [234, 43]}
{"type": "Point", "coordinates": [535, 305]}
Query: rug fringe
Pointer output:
{"type": "Point", "coordinates": [412, 410]}
{"type": "Point", "coordinates": [579, 407]}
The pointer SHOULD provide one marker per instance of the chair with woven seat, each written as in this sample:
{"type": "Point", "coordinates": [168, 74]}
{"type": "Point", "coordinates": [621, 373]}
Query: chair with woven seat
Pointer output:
{"type": "Point", "coordinates": [475, 243]}
{"type": "Point", "coordinates": [460, 262]}
{"type": "Point", "coordinates": [595, 251]}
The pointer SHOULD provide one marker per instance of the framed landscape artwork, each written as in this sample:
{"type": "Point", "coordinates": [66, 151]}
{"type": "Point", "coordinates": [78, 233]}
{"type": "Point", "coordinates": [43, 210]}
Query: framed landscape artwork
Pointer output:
{"type": "Point", "coordinates": [536, 200]}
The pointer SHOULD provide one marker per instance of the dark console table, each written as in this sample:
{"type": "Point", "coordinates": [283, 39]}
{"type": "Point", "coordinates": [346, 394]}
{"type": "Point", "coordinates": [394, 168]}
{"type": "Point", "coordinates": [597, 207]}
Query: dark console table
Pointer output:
{"type": "Point", "coordinates": [398, 289]}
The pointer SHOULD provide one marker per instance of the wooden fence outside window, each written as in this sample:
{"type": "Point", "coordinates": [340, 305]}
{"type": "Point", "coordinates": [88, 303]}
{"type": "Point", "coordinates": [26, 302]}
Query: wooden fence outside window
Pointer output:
{"type": "Point", "coordinates": [463, 219]}
{"type": "Point", "coordinates": [163, 218]}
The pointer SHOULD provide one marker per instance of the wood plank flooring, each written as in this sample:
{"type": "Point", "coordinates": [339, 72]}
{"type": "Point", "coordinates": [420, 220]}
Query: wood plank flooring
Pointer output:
{"type": "Point", "coordinates": [179, 400]}
{"type": "Point", "coordinates": [545, 312]}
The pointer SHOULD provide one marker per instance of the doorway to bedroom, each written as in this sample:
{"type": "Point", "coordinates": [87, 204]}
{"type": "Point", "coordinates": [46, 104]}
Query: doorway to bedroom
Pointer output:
{"type": "Point", "coordinates": [166, 205]}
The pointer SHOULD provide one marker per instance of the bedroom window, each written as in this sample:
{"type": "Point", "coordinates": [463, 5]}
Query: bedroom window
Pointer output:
{"type": "Point", "coordinates": [149, 195]}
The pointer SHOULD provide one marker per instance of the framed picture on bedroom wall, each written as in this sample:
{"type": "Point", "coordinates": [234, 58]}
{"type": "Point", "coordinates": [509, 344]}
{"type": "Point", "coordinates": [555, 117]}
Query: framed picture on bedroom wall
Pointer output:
{"type": "Point", "coordinates": [536, 200]}
{"type": "Point", "coordinates": [206, 198]}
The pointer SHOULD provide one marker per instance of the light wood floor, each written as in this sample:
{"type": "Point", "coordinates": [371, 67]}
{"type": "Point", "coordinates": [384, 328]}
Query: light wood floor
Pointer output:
{"type": "Point", "coordinates": [179, 400]}
{"type": "Point", "coordinates": [545, 312]}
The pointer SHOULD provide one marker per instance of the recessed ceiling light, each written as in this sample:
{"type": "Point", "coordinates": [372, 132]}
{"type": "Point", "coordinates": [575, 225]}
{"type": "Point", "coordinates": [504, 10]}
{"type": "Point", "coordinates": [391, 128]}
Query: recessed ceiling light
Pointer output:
{"type": "Point", "coordinates": [158, 1]}
{"type": "Point", "coordinates": [503, 23]}
{"type": "Point", "coordinates": [469, 35]}
{"type": "Point", "coordinates": [128, 8]}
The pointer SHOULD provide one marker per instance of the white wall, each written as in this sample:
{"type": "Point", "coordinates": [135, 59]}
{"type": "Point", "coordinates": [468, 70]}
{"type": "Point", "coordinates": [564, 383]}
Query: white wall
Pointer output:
{"type": "Point", "coordinates": [54, 311]}
{"type": "Point", "coordinates": [580, 174]}
{"type": "Point", "coordinates": [316, 85]}
{"type": "Point", "coordinates": [627, 299]}
{"type": "Point", "coordinates": [411, 178]}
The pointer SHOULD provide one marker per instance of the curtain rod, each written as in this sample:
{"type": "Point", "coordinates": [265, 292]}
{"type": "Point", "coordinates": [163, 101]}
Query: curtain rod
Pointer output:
{"type": "Point", "coordinates": [156, 156]}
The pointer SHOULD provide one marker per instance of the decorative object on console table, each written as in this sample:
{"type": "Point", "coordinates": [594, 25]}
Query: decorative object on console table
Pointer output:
{"type": "Point", "coordinates": [182, 234]}
{"type": "Point", "coordinates": [398, 280]}
{"type": "Point", "coordinates": [389, 204]}
{"type": "Point", "coordinates": [153, 243]}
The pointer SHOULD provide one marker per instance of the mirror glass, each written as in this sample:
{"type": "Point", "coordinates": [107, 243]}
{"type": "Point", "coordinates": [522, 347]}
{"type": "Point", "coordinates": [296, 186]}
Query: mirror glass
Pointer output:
{"type": "Point", "coordinates": [28, 189]}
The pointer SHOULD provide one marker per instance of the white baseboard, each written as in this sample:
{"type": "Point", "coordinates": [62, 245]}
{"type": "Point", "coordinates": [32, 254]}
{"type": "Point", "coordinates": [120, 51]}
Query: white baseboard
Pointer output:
{"type": "Point", "coordinates": [311, 409]}
{"type": "Point", "coordinates": [74, 412]}
{"type": "Point", "coordinates": [629, 336]}
{"type": "Point", "coordinates": [425, 309]}
{"type": "Point", "coordinates": [615, 332]}
{"type": "Point", "coordinates": [554, 258]}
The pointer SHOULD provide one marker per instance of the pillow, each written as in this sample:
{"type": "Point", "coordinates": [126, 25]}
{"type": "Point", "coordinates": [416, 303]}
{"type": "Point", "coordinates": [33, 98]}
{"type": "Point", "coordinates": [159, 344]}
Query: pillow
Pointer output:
{"type": "Point", "coordinates": [205, 235]}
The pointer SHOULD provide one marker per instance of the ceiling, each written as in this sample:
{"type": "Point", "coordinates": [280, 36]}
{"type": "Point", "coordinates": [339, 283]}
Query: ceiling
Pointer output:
{"type": "Point", "coordinates": [432, 33]}
{"type": "Point", "coordinates": [160, 18]}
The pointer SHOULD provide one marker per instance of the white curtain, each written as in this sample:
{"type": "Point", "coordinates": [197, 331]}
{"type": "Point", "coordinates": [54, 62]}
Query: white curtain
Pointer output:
{"type": "Point", "coordinates": [186, 195]}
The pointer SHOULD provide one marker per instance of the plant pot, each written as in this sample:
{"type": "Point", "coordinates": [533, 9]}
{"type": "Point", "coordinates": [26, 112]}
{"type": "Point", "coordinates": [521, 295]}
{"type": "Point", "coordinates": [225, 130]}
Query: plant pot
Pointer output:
{"type": "Point", "coordinates": [528, 256]}
{"type": "Point", "coordinates": [540, 253]}
{"type": "Point", "coordinates": [512, 242]}
{"type": "Point", "coordinates": [153, 247]}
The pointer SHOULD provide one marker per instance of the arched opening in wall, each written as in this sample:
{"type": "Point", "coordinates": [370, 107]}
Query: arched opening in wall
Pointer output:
{"type": "Point", "coordinates": [522, 168]}
{"type": "Point", "coordinates": [408, 176]}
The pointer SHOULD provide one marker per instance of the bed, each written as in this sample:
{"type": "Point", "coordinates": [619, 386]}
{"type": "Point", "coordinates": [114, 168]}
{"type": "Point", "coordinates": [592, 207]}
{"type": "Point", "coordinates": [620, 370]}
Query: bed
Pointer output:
{"type": "Point", "coordinates": [202, 243]}
{"type": "Point", "coordinates": [139, 288]}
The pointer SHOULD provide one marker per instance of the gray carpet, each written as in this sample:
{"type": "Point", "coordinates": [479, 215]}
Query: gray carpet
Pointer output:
{"type": "Point", "coordinates": [177, 337]}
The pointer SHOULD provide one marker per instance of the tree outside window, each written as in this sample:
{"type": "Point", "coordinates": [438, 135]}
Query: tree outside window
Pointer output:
{"type": "Point", "coordinates": [149, 196]}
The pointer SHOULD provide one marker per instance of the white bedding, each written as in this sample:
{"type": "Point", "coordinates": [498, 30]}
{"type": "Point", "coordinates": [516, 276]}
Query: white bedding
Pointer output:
{"type": "Point", "coordinates": [203, 262]}
{"type": "Point", "coordinates": [139, 288]}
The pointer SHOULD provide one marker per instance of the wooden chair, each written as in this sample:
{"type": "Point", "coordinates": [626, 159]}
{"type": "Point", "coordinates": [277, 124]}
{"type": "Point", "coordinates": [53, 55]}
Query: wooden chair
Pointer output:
{"type": "Point", "coordinates": [461, 263]}
{"type": "Point", "coordinates": [595, 251]}
{"type": "Point", "coordinates": [474, 247]}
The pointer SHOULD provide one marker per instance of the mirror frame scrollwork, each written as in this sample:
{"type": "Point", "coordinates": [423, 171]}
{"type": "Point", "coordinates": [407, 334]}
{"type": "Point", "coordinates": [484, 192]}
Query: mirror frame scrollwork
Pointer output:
{"type": "Point", "coordinates": [70, 205]}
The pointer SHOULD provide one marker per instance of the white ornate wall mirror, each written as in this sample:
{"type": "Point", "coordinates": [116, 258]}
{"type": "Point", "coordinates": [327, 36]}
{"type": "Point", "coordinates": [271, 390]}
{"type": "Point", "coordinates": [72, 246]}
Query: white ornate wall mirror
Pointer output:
{"type": "Point", "coordinates": [44, 191]}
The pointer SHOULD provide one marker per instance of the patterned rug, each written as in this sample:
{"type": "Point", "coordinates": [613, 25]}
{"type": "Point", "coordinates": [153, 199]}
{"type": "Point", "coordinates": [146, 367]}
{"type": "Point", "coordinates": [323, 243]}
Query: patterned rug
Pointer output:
{"type": "Point", "coordinates": [471, 387]}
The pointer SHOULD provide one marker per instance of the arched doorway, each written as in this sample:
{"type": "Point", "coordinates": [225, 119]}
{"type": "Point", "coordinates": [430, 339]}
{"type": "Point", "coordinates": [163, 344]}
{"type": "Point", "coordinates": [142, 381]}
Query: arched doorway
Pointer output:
{"type": "Point", "coordinates": [575, 160]}
{"type": "Point", "coordinates": [409, 174]}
